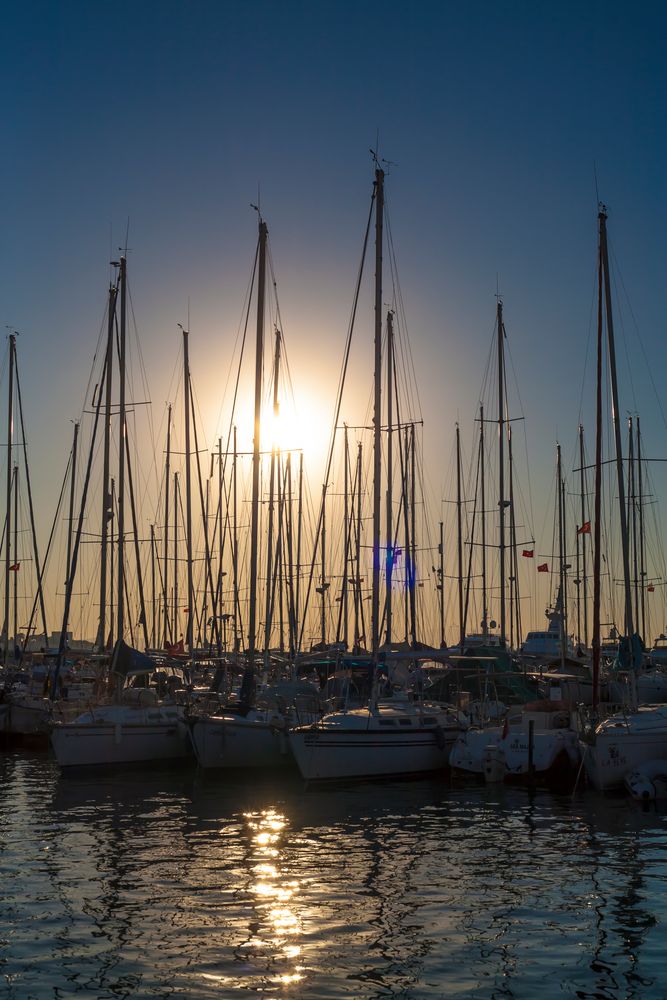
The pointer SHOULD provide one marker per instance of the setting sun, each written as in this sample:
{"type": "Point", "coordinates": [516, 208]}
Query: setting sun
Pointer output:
{"type": "Point", "coordinates": [301, 425]}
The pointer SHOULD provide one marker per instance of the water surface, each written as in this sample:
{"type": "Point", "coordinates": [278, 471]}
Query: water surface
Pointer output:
{"type": "Point", "coordinates": [174, 884]}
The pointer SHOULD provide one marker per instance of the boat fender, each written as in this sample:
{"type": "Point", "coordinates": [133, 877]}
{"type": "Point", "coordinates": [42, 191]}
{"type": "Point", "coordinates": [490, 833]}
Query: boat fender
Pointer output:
{"type": "Point", "coordinates": [440, 738]}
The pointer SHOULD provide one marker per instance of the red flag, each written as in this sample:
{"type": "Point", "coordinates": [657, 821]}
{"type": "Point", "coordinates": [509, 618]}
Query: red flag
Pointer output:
{"type": "Point", "coordinates": [650, 588]}
{"type": "Point", "coordinates": [14, 568]}
{"type": "Point", "coordinates": [585, 529]}
{"type": "Point", "coordinates": [528, 553]}
{"type": "Point", "coordinates": [543, 568]}
{"type": "Point", "coordinates": [176, 649]}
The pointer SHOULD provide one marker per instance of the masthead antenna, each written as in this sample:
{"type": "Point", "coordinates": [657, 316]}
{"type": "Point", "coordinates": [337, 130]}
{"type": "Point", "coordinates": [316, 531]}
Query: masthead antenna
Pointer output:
{"type": "Point", "coordinates": [126, 249]}
{"type": "Point", "coordinates": [257, 206]}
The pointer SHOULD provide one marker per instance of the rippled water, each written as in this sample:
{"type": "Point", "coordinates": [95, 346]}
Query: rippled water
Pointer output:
{"type": "Point", "coordinates": [175, 885]}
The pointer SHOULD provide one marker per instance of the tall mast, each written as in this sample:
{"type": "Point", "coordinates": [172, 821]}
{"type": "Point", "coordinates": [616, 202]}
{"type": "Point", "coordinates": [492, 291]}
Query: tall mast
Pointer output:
{"type": "Point", "coordinates": [70, 526]}
{"type": "Point", "coordinates": [441, 584]}
{"type": "Point", "coordinates": [584, 578]}
{"type": "Point", "coordinates": [501, 464]}
{"type": "Point", "coordinates": [299, 531]}
{"type": "Point", "coordinates": [290, 561]}
{"type": "Point", "coordinates": [642, 540]}
{"type": "Point", "coordinates": [358, 609]}
{"type": "Point", "coordinates": [31, 508]}
{"type": "Point", "coordinates": [347, 521]}
{"type": "Point", "coordinates": [597, 530]}
{"type": "Point", "coordinates": [377, 413]}
{"type": "Point", "coordinates": [413, 533]}
{"type": "Point", "coordinates": [8, 554]}
{"type": "Point", "coordinates": [254, 524]}
{"type": "Point", "coordinates": [566, 566]}
{"type": "Point", "coordinates": [235, 549]}
{"type": "Point", "coordinates": [175, 625]}
{"type": "Point", "coordinates": [153, 604]}
{"type": "Point", "coordinates": [16, 553]}
{"type": "Point", "coordinates": [121, 452]}
{"type": "Point", "coordinates": [75, 551]}
{"type": "Point", "coordinates": [632, 514]}
{"type": "Point", "coordinates": [577, 582]}
{"type": "Point", "coordinates": [107, 512]}
{"type": "Point", "coordinates": [219, 601]}
{"type": "Point", "coordinates": [406, 523]}
{"type": "Point", "coordinates": [629, 622]}
{"type": "Point", "coordinates": [268, 613]}
{"type": "Point", "coordinates": [322, 589]}
{"type": "Point", "coordinates": [485, 607]}
{"type": "Point", "coordinates": [280, 548]}
{"type": "Point", "coordinates": [561, 559]}
{"type": "Point", "coordinates": [137, 555]}
{"type": "Point", "coordinates": [390, 468]}
{"type": "Point", "coordinates": [167, 488]}
{"type": "Point", "coordinates": [112, 618]}
{"type": "Point", "coordinates": [188, 491]}
{"type": "Point", "coordinates": [459, 536]}
{"type": "Point", "coordinates": [515, 598]}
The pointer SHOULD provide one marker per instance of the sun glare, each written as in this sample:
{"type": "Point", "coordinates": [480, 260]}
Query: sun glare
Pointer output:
{"type": "Point", "coordinates": [300, 425]}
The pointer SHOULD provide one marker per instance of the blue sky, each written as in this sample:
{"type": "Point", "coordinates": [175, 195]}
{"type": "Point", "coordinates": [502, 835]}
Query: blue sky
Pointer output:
{"type": "Point", "coordinates": [496, 115]}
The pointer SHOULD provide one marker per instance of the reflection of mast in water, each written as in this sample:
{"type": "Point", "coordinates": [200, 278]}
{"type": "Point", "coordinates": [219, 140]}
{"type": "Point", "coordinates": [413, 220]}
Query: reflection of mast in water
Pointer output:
{"type": "Point", "coordinates": [120, 864]}
{"type": "Point", "coordinates": [622, 922]}
{"type": "Point", "coordinates": [390, 881]}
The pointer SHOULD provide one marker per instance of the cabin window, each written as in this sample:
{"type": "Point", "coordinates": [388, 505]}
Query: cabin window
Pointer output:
{"type": "Point", "coordinates": [404, 722]}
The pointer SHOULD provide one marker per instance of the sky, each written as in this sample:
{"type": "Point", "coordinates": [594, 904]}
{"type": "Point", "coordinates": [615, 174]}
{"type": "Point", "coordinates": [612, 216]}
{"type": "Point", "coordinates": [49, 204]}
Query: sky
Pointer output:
{"type": "Point", "coordinates": [502, 125]}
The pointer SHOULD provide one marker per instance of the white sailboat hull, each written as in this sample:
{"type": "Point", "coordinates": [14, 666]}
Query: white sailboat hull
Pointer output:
{"type": "Point", "coordinates": [30, 716]}
{"type": "Point", "coordinates": [555, 753]}
{"type": "Point", "coordinates": [129, 736]}
{"type": "Point", "coordinates": [230, 742]}
{"type": "Point", "coordinates": [362, 744]}
{"type": "Point", "coordinates": [622, 744]}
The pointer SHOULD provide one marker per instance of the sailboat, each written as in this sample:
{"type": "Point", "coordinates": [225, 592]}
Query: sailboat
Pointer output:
{"type": "Point", "coordinates": [252, 731]}
{"type": "Point", "coordinates": [27, 710]}
{"type": "Point", "coordinates": [398, 734]}
{"type": "Point", "coordinates": [618, 745]}
{"type": "Point", "coordinates": [136, 724]}
{"type": "Point", "coordinates": [534, 742]}
{"type": "Point", "coordinates": [140, 725]}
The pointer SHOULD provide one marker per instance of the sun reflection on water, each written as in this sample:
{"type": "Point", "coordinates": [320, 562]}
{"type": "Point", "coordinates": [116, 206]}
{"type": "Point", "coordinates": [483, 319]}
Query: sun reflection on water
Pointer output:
{"type": "Point", "coordinates": [273, 934]}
